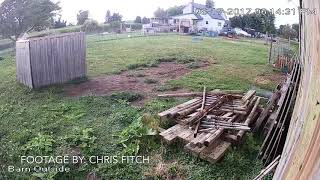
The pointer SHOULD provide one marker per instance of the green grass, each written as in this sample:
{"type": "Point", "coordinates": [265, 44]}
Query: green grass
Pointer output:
{"type": "Point", "coordinates": [46, 121]}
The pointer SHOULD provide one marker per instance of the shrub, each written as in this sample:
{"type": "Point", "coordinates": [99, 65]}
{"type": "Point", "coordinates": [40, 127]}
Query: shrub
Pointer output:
{"type": "Point", "coordinates": [137, 135]}
{"type": "Point", "coordinates": [83, 138]}
{"type": "Point", "coordinates": [91, 26]}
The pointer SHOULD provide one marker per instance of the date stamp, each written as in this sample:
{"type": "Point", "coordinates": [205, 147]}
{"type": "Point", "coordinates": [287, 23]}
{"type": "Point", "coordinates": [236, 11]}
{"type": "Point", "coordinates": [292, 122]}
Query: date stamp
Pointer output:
{"type": "Point", "coordinates": [263, 11]}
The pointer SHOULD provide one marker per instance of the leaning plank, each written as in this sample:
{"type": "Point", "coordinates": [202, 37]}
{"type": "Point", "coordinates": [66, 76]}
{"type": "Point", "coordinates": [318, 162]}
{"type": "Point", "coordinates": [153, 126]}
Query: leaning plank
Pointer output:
{"type": "Point", "coordinates": [249, 118]}
{"type": "Point", "coordinates": [266, 111]}
{"type": "Point", "coordinates": [268, 169]}
{"type": "Point", "coordinates": [202, 108]}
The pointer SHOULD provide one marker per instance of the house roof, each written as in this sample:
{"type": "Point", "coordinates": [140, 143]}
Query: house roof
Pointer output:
{"type": "Point", "coordinates": [199, 6]}
{"type": "Point", "coordinates": [195, 16]}
{"type": "Point", "coordinates": [213, 13]}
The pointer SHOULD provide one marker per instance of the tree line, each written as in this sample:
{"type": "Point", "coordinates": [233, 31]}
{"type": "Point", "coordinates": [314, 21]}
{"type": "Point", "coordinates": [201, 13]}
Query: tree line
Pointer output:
{"type": "Point", "coordinates": [22, 16]}
{"type": "Point", "coordinates": [264, 23]}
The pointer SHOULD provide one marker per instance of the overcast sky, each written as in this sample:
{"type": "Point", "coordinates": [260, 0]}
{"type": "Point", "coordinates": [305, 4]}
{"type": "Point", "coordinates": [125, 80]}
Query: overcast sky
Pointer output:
{"type": "Point", "coordinates": [132, 8]}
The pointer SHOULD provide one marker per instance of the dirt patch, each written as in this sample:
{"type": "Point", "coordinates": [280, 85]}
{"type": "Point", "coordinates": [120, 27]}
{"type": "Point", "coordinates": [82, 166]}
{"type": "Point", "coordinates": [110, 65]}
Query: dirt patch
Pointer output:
{"type": "Point", "coordinates": [143, 81]}
{"type": "Point", "coordinates": [276, 78]}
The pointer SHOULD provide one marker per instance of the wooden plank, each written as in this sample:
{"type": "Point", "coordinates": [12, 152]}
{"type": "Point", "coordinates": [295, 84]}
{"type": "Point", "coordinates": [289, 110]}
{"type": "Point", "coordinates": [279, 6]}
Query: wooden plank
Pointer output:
{"type": "Point", "coordinates": [23, 64]}
{"type": "Point", "coordinates": [165, 114]}
{"type": "Point", "coordinates": [249, 95]}
{"type": "Point", "coordinates": [249, 119]}
{"type": "Point", "coordinates": [171, 134]}
{"type": "Point", "coordinates": [215, 152]}
{"type": "Point", "coordinates": [266, 111]}
{"type": "Point", "coordinates": [217, 133]}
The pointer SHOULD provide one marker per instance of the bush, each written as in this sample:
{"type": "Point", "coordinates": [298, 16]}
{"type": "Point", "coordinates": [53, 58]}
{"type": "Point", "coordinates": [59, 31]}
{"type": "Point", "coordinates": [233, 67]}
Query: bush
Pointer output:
{"type": "Point", "coordinates": [151, 81]}
{"type": "Point", "coordinates": [41, 144]}
{"type": "Point", "coordinates": [91, 26]}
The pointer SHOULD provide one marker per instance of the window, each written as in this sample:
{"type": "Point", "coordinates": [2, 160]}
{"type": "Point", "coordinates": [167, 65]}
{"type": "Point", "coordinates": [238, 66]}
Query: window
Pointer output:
{"type": "Point", "coordinates": [219, 24]}
{"type": "Point", "coordinates": [207, 22]}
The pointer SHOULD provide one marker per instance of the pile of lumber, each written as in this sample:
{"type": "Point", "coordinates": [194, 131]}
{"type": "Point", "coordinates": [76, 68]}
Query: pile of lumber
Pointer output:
{"type": "Point", "coordinates": [211, 122]}
{"type": "Point", "coordinates": [275, 119]}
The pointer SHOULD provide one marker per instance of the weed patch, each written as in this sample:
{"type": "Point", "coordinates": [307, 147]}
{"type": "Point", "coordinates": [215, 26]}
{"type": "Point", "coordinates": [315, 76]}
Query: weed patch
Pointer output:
{"type": "Point", "coordinates": [127, 96]}
{"type": "Point", "coordinates": [136, 66]}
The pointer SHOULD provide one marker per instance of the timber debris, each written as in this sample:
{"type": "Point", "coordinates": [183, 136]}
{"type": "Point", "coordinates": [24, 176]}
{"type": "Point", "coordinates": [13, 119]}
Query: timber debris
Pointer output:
{"type": "Point", "coordinates": [212, 121]}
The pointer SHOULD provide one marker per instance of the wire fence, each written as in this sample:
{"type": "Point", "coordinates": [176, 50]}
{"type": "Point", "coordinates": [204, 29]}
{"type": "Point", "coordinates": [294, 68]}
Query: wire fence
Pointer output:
{"type": "Point", "coordinates": [283, 54]}
{"type": "Point", "coordinates": [126, 35]}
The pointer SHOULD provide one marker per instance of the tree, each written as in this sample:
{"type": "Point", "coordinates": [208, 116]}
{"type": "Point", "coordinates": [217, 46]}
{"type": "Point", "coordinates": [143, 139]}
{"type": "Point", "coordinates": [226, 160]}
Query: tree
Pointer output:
{"type": "Point", "coordinates": [267, 20]}
{"type": "Point", "coordinates": [59, 24]}
{"type": "Point", "coordinates": [145, 20]}
{"type": "Point", "coordinates": [108, 17]}
{"type": "Point", "coordinates": [261, 22]}
{"type": "Point", "coordinates": [286, 31]}
{"type": "Point", "coordinates": [296, 27]}
{"type": "Point", "coordinates": [209, 4]}
{"type": "Point", "coordinates": [82, 16]}
{"type": "Point", "coordinates": [175, 10]}
{"type": "Point", "coordinates": [22, 16]}
{"type": "Point", "coordinates": [160, 13]}
{"type": "Point", "coordinates": [138, 19]}
{"type": "Point", "coordinates": [116, 17]}
{"type": "Point", "coordinates": [91, 26]}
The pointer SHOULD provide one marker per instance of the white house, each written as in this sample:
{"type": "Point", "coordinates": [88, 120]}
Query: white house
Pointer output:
{"type": "Point", "coordinates": [198, 17]}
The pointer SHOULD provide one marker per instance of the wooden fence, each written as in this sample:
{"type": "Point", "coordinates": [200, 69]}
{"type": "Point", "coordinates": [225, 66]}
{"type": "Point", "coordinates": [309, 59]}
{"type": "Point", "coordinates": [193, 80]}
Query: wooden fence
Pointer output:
{"type": "Point", "coordinates": [51, 60]}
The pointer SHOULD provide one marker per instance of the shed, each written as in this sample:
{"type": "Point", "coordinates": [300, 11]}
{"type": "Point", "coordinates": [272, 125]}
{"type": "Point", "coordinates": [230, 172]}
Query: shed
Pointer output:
{"type": "Point", "coordinates": [49, 60]}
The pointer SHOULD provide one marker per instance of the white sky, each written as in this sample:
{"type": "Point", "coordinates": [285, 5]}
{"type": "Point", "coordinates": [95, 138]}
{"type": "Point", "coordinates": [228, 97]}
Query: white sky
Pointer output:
{"type": "Point", "coordinates": [132, 8]}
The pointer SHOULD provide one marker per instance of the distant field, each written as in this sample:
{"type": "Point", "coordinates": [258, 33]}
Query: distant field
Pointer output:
{"type": "Point", "coordinates": [49, 122]}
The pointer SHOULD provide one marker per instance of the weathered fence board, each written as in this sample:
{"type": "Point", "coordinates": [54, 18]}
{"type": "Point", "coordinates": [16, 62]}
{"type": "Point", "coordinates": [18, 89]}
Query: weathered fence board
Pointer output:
{"type": "Point", "coordinates": [23, 63]}
{"type": "Point", "coordinates": [51, 60]}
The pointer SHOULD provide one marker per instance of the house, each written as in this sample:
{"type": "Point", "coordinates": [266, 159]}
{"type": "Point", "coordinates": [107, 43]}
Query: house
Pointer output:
{"type": "Point", "coordinates": [197, 17]}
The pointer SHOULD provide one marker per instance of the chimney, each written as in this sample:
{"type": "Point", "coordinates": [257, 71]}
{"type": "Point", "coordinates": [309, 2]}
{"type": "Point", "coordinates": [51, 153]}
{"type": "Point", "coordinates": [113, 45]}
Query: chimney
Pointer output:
{"type": "Point", "coordinates": [192, 6]}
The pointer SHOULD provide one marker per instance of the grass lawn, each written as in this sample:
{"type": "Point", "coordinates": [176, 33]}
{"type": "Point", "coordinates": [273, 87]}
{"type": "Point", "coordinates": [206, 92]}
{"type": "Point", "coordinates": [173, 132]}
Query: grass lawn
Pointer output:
{"type": "Point", "coordinates": [48, 122]}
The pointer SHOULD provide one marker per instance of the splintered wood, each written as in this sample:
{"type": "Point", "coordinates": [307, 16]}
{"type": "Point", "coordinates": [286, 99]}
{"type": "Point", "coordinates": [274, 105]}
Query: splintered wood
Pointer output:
{"type": "Point", "coordinates": [211, 122]}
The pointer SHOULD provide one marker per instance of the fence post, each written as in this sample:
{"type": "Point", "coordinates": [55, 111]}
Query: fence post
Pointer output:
{"type": "Point", "coordinates": [270, 52]}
